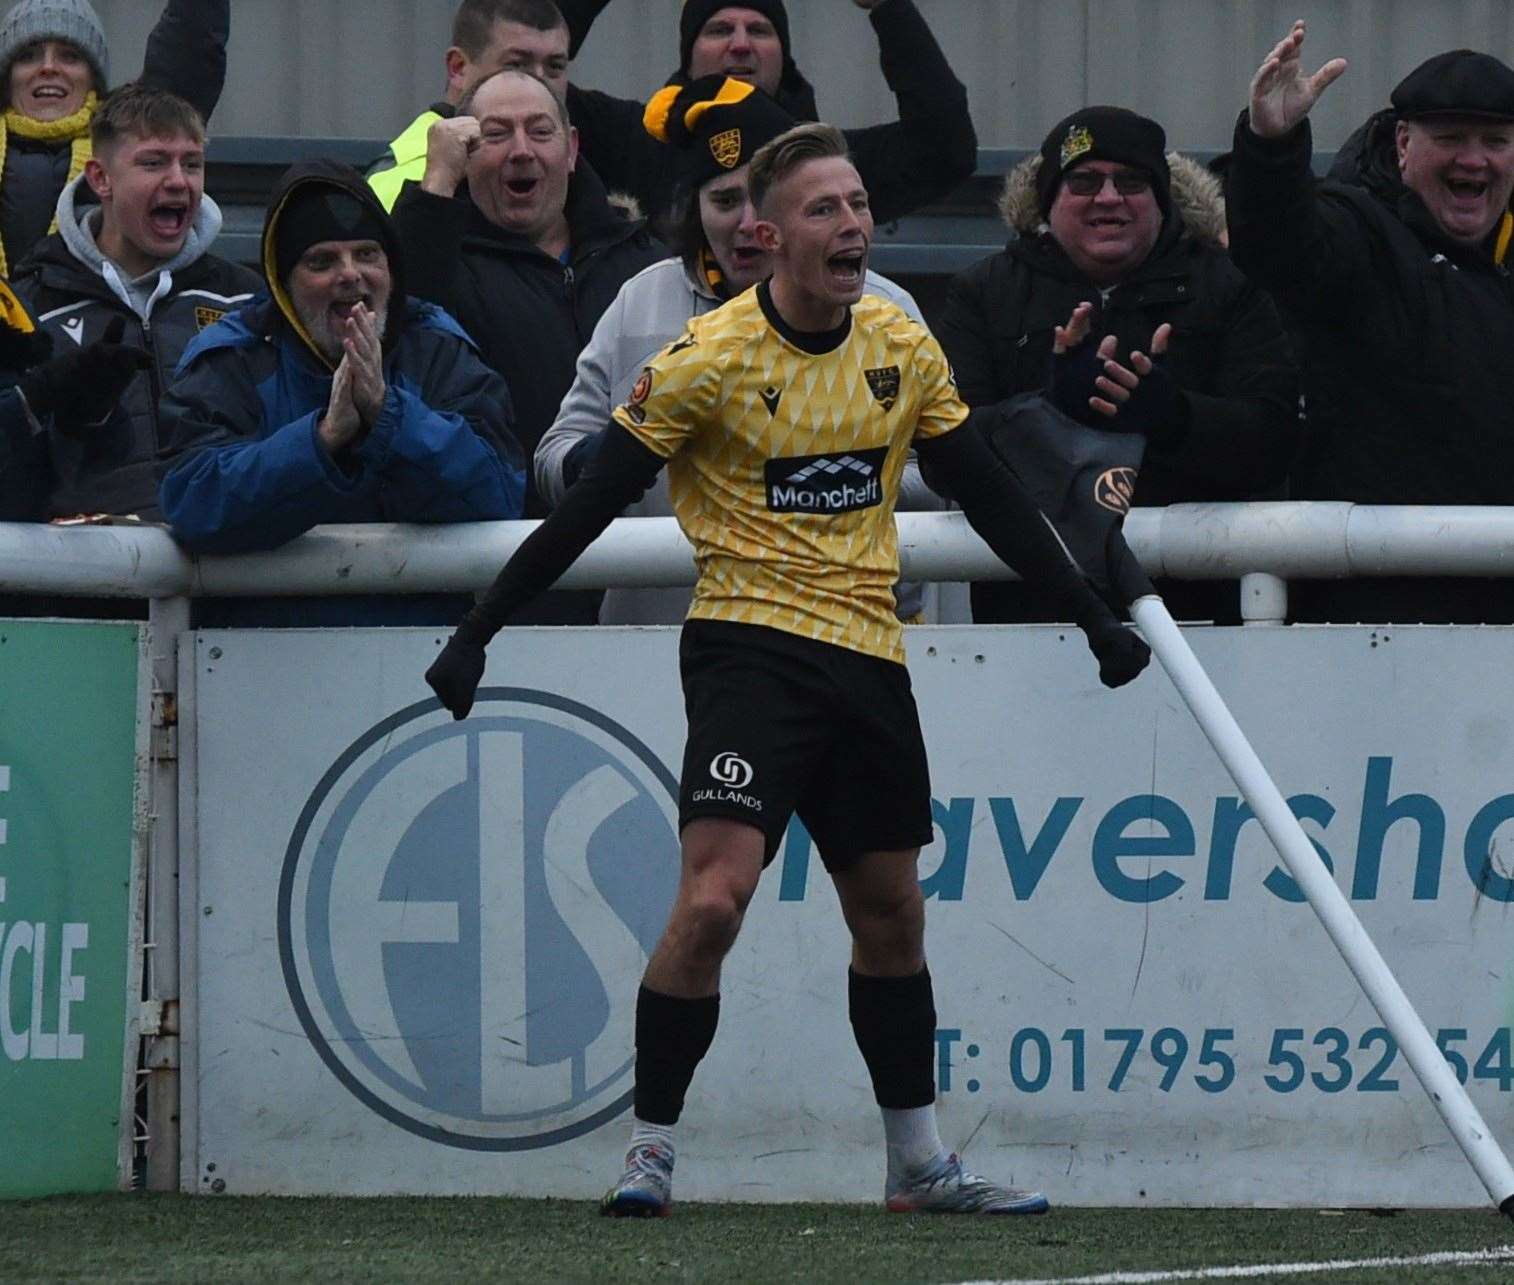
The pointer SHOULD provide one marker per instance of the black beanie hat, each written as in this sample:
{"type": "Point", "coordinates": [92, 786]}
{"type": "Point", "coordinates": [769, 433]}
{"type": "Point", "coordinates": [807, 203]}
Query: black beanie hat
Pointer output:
{"type": "Point", "coordinates": [1104, 134]}
{"type": "Point", "coordinates": [316, 212]}
{"type": "Point", "coordinates": [715, 124]}
{"type": "Point", "coordinates": [698, 12]}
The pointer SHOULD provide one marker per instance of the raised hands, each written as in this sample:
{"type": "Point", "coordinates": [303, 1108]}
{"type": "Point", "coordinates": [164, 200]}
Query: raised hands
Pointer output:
{"type": "Point", "coordinates": [1281, 94]}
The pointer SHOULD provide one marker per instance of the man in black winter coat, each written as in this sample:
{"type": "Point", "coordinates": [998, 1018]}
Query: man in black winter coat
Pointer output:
{"type": "Point", "coordinates": [905, 164]}
{"type": "Point", "coordinates": [515, 239]}
{"type": "Point", "coordinates": [1392, 276]}
{"type": "Point", "coordinates": [130, 260]}
{"type": "Point", "coordinates": [1119, 241]}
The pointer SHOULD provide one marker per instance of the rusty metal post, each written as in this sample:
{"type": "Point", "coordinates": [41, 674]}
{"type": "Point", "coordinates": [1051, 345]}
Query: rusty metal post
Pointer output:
{"type": "Point", "coordinates": [168, 619]}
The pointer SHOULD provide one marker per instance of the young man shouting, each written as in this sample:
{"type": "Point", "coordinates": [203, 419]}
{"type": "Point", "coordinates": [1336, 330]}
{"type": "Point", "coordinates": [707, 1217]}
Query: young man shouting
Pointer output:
{"type": "Point", "coordinates": [785, 418]}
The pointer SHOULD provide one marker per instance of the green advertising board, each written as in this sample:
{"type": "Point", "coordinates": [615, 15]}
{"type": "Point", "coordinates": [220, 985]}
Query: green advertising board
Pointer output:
{"type": "Point", "coordinates": [70, 735]}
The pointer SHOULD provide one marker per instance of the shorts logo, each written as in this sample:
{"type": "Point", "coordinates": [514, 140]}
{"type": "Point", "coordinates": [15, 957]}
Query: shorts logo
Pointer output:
{"type": "Point", "coordinates": [1114, 488]}
{"type": "Point", "coordinates": [725, 147]}
{"type": "Point", "coordinates": [731, 771]}
{"type": "Point", "coordinates": [205, 317]}
{"type": "Point", "coordinates": [826, 483]}
{"type": "Point", "coordinates": [458, 927]}
{"type": "Point", "coordinates": [771, 395]}
{"type": "Point", "coordinates": [885, 385]}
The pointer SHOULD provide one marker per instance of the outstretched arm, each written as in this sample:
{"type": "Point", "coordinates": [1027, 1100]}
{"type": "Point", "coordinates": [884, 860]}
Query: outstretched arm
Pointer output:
{"type": "Point", "coordinates": [186, 52]}
{"type": "Point", "coordinates": [932, 147]}
{"type": "Point", "coordinates": [1303, 247]}
{"type": "Point", "coordinates": [620, 472]}
{"type": "Point", "coordinates": [1002, 513]}
{"type": "Point", "coordinates": [580, 15]}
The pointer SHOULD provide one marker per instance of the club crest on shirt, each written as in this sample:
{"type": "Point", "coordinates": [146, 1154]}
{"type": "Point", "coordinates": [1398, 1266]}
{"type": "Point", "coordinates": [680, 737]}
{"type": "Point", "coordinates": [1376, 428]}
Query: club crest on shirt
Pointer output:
{"type": "Point", "coordinates": [206, 317]}
{"type": "Point", "coordinates": [1114, 489]}
{"type": "Point", "coordinates": [725, 147]}
{"type": "Point", "coordinates": [885, 385]}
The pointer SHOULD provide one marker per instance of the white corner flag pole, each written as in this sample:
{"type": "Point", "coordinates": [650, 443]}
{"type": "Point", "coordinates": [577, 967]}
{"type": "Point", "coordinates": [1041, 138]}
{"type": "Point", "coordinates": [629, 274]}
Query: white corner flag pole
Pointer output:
{"type": "Point", "coordinates": [1462, 1118]}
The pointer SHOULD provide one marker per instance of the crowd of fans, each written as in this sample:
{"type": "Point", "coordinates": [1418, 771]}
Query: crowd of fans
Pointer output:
{"type": "Point", "coordinates": [444, 339]}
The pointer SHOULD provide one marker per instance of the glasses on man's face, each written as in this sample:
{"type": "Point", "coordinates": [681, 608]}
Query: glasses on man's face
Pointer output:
{"type": "Point", "coordinates": [1091, 182]}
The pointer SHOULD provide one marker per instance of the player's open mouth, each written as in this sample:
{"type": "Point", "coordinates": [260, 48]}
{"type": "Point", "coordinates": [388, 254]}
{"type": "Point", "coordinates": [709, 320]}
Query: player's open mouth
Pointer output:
{"type": "Point", "coordinates": [169, 219]}
{"type": "Point", "coordinates": [847, 267]}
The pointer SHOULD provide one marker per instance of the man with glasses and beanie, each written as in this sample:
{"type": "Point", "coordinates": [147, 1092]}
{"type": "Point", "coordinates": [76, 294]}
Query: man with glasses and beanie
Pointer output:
{"type": "Point", "coordinates": [1120, 241]}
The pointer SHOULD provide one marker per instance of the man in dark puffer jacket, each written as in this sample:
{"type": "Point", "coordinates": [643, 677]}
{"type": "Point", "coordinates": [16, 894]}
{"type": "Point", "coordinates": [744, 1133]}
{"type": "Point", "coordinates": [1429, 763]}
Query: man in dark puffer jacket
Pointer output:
{"type": "Point", "coordinates": [1140, 249]}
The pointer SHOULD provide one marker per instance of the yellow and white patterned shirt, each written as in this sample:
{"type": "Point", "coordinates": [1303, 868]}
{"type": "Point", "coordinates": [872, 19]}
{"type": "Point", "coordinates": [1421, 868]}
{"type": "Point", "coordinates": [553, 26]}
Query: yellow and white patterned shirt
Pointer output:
{"type": "Point", "coordinates": [785, 464]}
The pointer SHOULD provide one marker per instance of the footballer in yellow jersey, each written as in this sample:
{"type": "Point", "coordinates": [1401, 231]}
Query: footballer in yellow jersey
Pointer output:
{"type": "Point", "coordinates": [785, 417]}
{"type": "Point", "coordinates": [784, 463]}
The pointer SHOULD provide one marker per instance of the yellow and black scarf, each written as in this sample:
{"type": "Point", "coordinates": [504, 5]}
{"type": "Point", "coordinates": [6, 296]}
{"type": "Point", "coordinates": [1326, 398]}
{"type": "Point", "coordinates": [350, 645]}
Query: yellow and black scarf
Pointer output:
{"type": "Point", "coordinates": [73, 130]}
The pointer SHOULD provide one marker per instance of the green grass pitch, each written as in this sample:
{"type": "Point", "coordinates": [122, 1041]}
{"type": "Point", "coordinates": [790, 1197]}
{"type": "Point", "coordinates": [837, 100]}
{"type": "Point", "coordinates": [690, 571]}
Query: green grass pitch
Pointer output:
{"type": "Point", "coordinates": [180, 1238]}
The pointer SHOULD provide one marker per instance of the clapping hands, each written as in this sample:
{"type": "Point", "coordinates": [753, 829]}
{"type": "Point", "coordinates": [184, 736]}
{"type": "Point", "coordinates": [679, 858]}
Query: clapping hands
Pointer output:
{"type": "Point", "coordinates": [1090, 386]}
{"type": "Point", "coordinates": [358, 387]}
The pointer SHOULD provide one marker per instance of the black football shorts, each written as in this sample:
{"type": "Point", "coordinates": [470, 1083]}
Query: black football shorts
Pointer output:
{"type": "Point", "coordinates": [780, 724]}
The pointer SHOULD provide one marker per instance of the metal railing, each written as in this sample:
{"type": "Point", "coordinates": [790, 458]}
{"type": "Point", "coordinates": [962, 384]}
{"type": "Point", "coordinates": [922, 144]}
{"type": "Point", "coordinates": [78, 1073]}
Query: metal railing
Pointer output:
{"type": "Point", "coordinates": [1260, 544]}
{"type": "Point", "coordinates": [1282, 539]}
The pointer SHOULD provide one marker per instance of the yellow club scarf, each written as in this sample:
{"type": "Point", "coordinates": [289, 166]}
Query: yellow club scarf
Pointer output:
{"type": "Point", "coordinates": [73, 129]}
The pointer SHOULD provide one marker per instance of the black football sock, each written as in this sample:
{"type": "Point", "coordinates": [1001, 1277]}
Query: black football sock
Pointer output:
{"type": "Point", "coordinates": [672, 1036]}
{"type": "Point", "coordinates": [894, 1019]}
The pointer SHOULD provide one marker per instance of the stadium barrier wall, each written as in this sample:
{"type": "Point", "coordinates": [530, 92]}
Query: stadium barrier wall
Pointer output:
{"type": "Point", "coordinates": [368, 1006]}
{"type": "Point", "coordinates": [73, 819]}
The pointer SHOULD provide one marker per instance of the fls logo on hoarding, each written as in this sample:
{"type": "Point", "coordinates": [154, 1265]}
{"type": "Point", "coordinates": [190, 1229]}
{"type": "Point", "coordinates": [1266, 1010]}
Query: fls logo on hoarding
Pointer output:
{"type": "Point", "coordinates": [465, 909]}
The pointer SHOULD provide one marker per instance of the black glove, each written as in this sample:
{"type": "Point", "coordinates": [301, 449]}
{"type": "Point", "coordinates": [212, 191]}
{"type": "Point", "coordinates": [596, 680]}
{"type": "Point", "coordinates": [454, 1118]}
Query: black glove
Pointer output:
{"type": "Point", "coordinates": [1070, 384]}
{"type": "Point", "coordinates": [454, 675]}
{"type": "Point", "coordinates": [1153, 408]}
{"type": "Point", "coordinates": [79, 389]}
{"type": "Point", "coordinates": [578, 457]}
{"type": "Point", "coordinates": [1121, 652]}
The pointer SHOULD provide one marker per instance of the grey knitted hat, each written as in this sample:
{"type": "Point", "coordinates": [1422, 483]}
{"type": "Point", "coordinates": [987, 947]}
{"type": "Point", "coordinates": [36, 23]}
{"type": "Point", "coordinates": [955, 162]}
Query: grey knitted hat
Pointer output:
{"type": "Point", "coordinates": [72, 20]}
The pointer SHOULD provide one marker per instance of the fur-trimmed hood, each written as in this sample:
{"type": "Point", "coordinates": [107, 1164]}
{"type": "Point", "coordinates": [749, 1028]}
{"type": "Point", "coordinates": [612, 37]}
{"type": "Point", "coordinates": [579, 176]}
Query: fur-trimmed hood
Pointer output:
{"type": "Point", "coordinates": [1196, 196]}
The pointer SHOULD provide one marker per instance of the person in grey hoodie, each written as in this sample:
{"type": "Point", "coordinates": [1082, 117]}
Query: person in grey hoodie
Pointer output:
{"type": "Point", "coordinates": [718, 258]}
{"type": "Point", "coordinates": [129, 262]}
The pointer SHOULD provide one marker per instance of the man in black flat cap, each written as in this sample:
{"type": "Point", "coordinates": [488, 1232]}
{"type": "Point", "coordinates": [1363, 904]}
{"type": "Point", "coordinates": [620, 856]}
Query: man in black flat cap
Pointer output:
{"type": "Point", "coordinates": [1392, 276]}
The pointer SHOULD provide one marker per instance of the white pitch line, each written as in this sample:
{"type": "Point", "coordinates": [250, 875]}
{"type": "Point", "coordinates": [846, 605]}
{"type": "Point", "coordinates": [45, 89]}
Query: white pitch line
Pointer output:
{"type": "Point", "coordinates": [1449, 1258]}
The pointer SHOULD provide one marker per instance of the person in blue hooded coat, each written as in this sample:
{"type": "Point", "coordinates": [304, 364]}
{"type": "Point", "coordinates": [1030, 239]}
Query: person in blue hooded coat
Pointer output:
{"type": "Point", "coordinates": [335, 398]}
